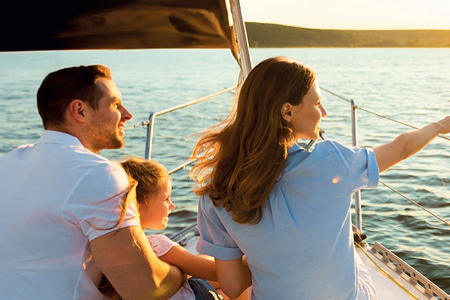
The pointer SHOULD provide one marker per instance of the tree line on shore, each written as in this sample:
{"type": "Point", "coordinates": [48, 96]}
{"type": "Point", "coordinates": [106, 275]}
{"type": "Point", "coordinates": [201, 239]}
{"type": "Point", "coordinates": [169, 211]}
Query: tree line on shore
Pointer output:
{"type": "Point", "coordinates": [274, 35]}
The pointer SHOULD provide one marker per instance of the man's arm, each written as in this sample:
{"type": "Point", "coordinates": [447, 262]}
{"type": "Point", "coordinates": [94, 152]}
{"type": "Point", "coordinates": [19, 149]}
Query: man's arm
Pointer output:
{"type": "Point", "coordinates": [127, 260]}
{"type": "Point", "coordinates": [409, 143]}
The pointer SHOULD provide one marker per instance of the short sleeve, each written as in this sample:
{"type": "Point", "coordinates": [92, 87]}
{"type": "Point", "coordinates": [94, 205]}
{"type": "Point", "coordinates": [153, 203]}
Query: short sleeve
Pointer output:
{"type": "Point", "coordinates": [96, 201]}
{"type": "Point", "coordinates": [360, 164]}
{"type": "Point", "coordinates": [160, 243]}
{"type": "Point", "coordinates": [214, 237]}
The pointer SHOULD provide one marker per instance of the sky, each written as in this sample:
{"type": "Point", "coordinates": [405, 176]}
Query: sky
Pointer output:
{"type": "Point", "coordinates": [350, 14]}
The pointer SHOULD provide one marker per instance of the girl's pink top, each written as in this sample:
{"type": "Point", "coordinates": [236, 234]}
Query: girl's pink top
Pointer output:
{"type": "Point", "coordinates": [161, 245]}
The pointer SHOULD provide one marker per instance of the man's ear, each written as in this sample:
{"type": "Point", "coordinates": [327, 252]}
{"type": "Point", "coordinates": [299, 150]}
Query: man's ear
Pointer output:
{"type": "Point", "coordinates": [78, 110]}
{"type": "Point", "coordinates": [286, 112]}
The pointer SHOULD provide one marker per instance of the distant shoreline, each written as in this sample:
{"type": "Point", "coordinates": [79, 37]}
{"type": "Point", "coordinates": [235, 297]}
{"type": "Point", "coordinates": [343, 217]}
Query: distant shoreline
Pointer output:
{"type": "Point", "coordinates": [264, 35]}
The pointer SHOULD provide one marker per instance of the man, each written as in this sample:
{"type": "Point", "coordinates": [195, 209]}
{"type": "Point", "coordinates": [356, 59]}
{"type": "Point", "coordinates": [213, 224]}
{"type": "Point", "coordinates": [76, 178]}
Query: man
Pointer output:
{"type": "Point", "coordinates": [66, 217]}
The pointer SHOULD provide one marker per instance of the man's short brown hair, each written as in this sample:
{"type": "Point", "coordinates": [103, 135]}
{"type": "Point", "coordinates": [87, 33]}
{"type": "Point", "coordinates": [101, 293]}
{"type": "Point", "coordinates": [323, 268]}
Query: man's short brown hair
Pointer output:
{"type": "Point", "coordinates": [59, 88]}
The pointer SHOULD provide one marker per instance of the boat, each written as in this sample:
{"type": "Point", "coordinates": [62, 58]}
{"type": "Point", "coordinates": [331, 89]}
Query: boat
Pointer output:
{"type": "Point", "coordinates": [145, 24]}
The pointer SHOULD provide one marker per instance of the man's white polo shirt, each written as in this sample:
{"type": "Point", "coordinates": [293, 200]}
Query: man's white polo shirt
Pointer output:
{"type": "Point", "coordinates": [56, 197]}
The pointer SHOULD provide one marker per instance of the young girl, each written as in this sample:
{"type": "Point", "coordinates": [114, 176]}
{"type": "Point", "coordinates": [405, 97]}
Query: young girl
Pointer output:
{"type": "Point", "coordinates": [286, 209]}
{"type": "Point", "coordinates": [153, 190]}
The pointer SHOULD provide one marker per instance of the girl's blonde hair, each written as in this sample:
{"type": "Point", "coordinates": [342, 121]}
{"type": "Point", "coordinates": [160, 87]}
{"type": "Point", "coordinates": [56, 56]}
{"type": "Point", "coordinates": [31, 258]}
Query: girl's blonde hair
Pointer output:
{"type": "Point", "coordinates": [240, 159]}
{"type": "Point", "coordinates": [148, 174]}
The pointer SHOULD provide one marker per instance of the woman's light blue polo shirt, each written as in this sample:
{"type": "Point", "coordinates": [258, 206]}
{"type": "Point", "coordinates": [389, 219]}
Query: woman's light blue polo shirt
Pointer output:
{"type": "Point", "coordinates": [303, 246]}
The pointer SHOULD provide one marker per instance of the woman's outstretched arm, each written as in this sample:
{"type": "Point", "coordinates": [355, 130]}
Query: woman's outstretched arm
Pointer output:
{"type": "Point", "coordinates": [409, 143]}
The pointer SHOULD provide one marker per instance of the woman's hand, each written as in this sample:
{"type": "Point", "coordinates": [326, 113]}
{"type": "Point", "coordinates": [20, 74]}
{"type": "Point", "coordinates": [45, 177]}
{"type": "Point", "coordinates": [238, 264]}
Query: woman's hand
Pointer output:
{"type": "Point", "coordinates": [445, 125]}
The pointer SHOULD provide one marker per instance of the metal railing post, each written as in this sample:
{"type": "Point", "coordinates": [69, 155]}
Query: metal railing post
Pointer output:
{"type": "Point", "coordinates": [151, 118]}
{"type": "Point", "coordinates": [241, 37]}
{"type": "Point", "coordinates": [358, 212]}
{"type": "Point", "coordinates": [149, 139]}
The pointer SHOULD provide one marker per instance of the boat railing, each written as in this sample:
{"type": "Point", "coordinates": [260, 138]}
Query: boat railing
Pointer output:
{"type": "Point", "coordinates": [354, 107]}
{"type": "Point", "coordinates": [152, 118]}
{"type": "Point", "coordinates": [348, 100]}
{"type": "Point", "coordinates": [354, 119]}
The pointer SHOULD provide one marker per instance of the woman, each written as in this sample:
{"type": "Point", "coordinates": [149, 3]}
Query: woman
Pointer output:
{"type": "Point", "coordinates": [275, 216]}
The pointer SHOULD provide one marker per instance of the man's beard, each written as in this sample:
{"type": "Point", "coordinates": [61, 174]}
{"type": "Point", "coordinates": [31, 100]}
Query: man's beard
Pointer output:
{"type": "Point", "coordinates": [108, 140]}
{"type": "Point", "coordinates": [114, 142]}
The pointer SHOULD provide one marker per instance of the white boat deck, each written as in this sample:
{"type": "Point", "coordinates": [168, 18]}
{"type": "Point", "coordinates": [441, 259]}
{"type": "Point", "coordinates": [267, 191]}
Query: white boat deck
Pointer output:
{"type": "Point", "coordinates": [385, 287]}
{"type": "Point", "coordinates": [410, 280]}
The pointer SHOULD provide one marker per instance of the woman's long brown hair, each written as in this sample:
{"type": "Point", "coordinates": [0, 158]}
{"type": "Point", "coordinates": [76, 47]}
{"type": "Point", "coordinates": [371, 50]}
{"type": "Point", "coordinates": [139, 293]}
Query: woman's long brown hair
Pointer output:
{"type": "Point", "coordinates": [240, 159]}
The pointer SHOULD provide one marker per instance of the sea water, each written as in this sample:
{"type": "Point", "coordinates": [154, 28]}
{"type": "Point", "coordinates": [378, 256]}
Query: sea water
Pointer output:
{"type": "Point", "coordinates": [409, 85]}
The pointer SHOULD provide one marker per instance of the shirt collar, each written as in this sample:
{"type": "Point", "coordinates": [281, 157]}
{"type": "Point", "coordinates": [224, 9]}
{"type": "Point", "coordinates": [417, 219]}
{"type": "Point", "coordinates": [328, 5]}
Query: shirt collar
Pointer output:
{"type": "Point", "coordinates": [58, 137]}
{"type": "Point", "coordinates": [295, 148]}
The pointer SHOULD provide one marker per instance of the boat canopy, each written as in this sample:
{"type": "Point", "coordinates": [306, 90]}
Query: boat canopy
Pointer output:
{"type": "Point", "coordinates": [114, 24]}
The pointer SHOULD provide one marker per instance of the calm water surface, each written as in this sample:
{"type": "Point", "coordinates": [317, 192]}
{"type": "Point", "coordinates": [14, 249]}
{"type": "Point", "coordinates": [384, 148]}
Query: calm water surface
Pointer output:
{"type": "Point", "coordinates": [411, 85]}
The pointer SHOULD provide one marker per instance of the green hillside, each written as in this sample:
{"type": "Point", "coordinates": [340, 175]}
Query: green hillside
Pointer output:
{"type": "Point", "coordinates": [274, 35]}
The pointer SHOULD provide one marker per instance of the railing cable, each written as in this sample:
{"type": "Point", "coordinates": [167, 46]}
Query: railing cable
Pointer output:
{"type": "Point", "coordinates": [142, 124]}
{"type": "Point", "coordinates": [162, 112]}
{"type": "Point", "coordinates": [336, 95]}
{"type": "Point", "coordinates": [415, 203]}
{"type": "Point", "coordinates": [182, 166]}
{"type": "Point", "coordinates": [377, 114]}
